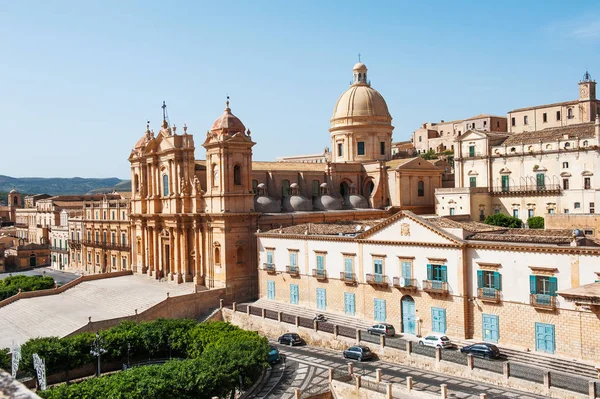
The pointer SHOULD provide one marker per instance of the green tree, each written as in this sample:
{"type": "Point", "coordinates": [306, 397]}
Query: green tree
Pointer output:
{"type": "Point", "coordinates": [536, 222]}
{"type": "Point", "coordinates": [503, 220]}
{"type": "Point", "coordinates": [429, 154]}
{"type": "Point", "coordinates": [5, 359]}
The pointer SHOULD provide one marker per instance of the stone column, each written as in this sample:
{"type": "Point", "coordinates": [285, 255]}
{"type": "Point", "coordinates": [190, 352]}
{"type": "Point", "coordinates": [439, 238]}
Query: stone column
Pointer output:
{"type": "Point", "coordinates": [470, 364]}
{"type": "Point", "coordinates": [506, 370]}
{"type": "Point", "coordinates": [409, 383]}
{"type": "Point", "coordinates": [158, 262]}
{"type": "Point", "coordinates": [187, 276]}
{"type": "Point", "coordinates": [444, 391]}
{"type": "Point", "coordinates": [377, 375]}
{"type": "Point", "coordinates": [592, 389]}
{"type": "Point", "coordinates": [350, 368]}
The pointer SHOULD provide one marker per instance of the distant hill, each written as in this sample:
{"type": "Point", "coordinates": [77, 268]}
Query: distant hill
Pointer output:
{"type": "Point", "coordinates": [123, 185]}
{"type": "Point", "coordinates": [61, 186]}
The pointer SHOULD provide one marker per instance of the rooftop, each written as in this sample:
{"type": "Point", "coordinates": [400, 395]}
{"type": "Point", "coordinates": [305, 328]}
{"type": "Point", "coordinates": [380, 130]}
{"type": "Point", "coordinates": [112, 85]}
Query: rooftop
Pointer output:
{"type": "Point", "coordinates": [545, 106]}
{"type": "Point", "coordinates": [328, 229]}
{"type": "Point", "coordinates": [583, 130]}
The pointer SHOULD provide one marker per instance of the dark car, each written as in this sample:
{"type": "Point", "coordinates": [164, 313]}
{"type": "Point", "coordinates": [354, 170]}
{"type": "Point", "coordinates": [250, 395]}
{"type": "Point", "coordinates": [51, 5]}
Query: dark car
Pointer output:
{"type": "Point", "coordinates": [359, 353]}
{"type": "Point", "coordinates": [482, 349]}
{"type": "Point", "coordinates": [382, 329]}
{"type": "Point", "coordinates": [273, 356]}
{"type": "Point", "coordinates": [291, 339]}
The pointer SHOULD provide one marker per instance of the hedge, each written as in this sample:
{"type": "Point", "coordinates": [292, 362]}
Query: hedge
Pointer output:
{"type": "Point", "coordinates": [503, 220]}
{"type": "Point", "coordinates": [217, 355]}
{"type": "Point", "coordinates": [10, 285]}
{"type": "Point", "coordinates": [536, 222]}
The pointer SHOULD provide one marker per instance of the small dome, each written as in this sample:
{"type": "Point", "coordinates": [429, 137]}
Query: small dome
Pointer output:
{"type": "Point", "coordinates": [355, 201]}
{"type": "Point", "coordinates": [327, 203]}
{"type": "Point", "coordinates": [297, 203]}
{"type": "Point", "coordinates": [228, 123]}
{"type": "Point", "coordinates": [266, 204]}
{"type": "Point", "coordinates": [359, 67]}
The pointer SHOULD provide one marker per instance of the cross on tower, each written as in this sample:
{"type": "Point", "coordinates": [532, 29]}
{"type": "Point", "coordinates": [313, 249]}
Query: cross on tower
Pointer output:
{"type": "Point", "coordinates": [164, 108]}
{"type": "Point", "coordinates": [358, 57]}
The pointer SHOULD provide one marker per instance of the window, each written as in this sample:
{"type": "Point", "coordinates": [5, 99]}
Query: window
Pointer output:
{"type": "Point", "coordinates": [550, 211]}
{"type": "Point", "coordinates": [570, 113]}
{"type": "Point", "coordinates": [217, 255]}
{"type": "Point", "coordinates": [515, 213]}
{"type": "Point", "coordinates": [565, 184]}
{"type": "Point", "coordinates": [420, 139]}
{"type": "Point", "coordinates": [488, 279]}
{"type": "Point", "coordinates": [166, 185]}
{"type": "Point", "coordinates": [382, 148]}
{"type": "Point", "coordinates": [113, 237]}
{"type": "Point", "coordinates": [587, 183]}
{"type": "Point", "coordinates": [89, 257]}
{"type": "Point", "coordinates": [484, 123]}
{"type": "Point", "coordinates": [525, 120]}
{"type": "Point", "coordinates": [471, 150]}
{"type": "Point", "coordinates": [360, 148]}
{"type": "Point", "coordinates": [557, 115]}
{"type": "Point", "coordinates": [97, 237]}
{"type": "Point", "coordinates": [321, 298]}
{"type": "Point", "coordinates": [540, 182]}
{"type": "Point", "coordinates": [577, 205]}
{"type": "Point", "coordinates": [114, 261]}
{"type": "Point", "coordinates": [348, 268]}
{"type": "Point", "coordinates": [543, 285]}
{"type": "Point", "coordinates": [504, 182]}
{"type": "Point", "coordinates": [136, 184]}
{"type": "Point", "coordinates": [452, 211]}
{"type": "Point", "coordinates": [420, 188]}
{"type": "Point", "coordinates": [293, 260]}
{"type": "Point", "coordinates": [481, 215]}
{"type": "Point", "coordinates": [513, 122]}
{"type": "Point", "coordinates": [592, 207]}
{"type": "Point", "coordinates": [530, 213]}
{"type": "Point", "coordinates": [378, 268]}
{"type": "Point", "coordinates": [237, 175]}
{"type": "Point", "coordinates": [97, 216]}
{"type": "Point", "coordinates": [123, 263]}
{"type": "Point", "coordinates": [294, 294]}
{"type": "Point", "coordinates": [565, 165]}
{"type": "Point", "coordinates": [544, 117]}
{"type": "Point", "coordinates": [340, 150]}
{"type": "Point", "coordinates": [255, 186]}
{"type": "Point", "coordinates": [472, 181]}
{"type": "Point", "coordinates": [496, 211]}
{"type": "Point", "coordinates": [270, 257]}
{"type": "Point", "coordinates": [437, 273]}
{"type": "Point", "coordinates": [406, 269]}
{"type": "Point", "coordinates": [285, 188]}
{"type": "Point", "coordinates": [473, 125]}
{"type": "Point", "coordinates": [588, 232]}
{"type": "Point", "coordinates": [320, 265]}
{"type": "Point", "coordinates": [123, 239]}
{"type": "Point", "coordinates": [315, 188]}
{"type": "Point", "coordinates": [123, 215]}
{"type": "Point", "coordinates": [89, 235]}
{"type": "Point", "coordinates": [565, 211]}
{"type": "Point", "coordinates": [567, 145]}
{"type": "Point", "coordinates": [97, 259]}
{"type": "Point", "coordinates": [270, 289]}
{"type": "Point", "coordinates": [104, 215]}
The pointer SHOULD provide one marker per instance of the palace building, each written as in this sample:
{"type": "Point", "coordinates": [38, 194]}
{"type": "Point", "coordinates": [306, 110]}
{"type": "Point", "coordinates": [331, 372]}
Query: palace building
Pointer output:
{"type": "Point", "coordinates": [195, 220]}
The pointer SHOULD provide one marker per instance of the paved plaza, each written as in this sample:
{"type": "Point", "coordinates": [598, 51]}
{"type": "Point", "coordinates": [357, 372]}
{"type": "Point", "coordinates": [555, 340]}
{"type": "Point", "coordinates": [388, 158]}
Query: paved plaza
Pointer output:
{"type": "Point", "coordinates": [59, 315]}
{"type": "Point", "coordinates": [59, 276]}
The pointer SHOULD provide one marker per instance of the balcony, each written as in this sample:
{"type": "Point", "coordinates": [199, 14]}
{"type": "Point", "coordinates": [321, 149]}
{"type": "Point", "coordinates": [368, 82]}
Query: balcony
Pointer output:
{"type": "Point", "coordinates": [106, 245]}
{"type": "Point", "coordinates": [292, 270]}
{"type": "Point", "coordinates": [435, 287]}
{"type": "Point", "coordinates": [488, 295]}
{"type": "Point", "coordinates": [319, 274]}
{"type": "Point", "coordinates": [59, 249]}
{"type": "Point", "coordinates": [269, 268]}
{"type": "Point", "coordinates": [348, 278]}
{"type": "Point", "coordinates": [75, 244]}
{"type": "Point", "coordinates": [543, 301]}
{"type": "Point", "coordinates": [405, 283]}
{"type": "Point", "coordinates": [377, 280]}
{"type": "Point", "coordinates": [526, 189]}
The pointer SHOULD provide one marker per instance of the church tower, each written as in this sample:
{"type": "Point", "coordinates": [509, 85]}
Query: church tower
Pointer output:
{"type": "Point", "coordinates": [15, 201]}
{"type": "Point", "coordinates": [587, 99]}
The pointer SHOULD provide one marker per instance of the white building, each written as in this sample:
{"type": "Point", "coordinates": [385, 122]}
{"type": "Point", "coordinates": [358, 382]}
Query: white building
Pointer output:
{"type": "Point", "coordinates": [59, 236]}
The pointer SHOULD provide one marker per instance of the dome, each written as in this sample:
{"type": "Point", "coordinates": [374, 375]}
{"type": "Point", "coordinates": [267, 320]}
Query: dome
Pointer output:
{"type": "Point", "coordinates": [327, 203]}
{"type": "Point", "coordinates": [355, 201]}
{"type": "Point", "coordinates": [361, 100]}
{"type": "Point", "coordinates": [266, 204]}
{"type": "Point", "coordinates": [297, 203]}
{"type": "Point", "coordinates": [228, 123]}
{"type": "Point", "coordinates": [359, 67]}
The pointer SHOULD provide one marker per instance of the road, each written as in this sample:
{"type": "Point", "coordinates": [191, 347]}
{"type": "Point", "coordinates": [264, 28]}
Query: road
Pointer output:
{"type": "Point", "coordinates": [59, 276]}
{"type": "Point", "coordinates": [313, 363]}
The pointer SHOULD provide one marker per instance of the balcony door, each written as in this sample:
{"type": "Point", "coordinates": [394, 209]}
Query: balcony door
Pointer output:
{"type": "Point", "coordinates": [490, 328]}
{"type": "Point", "coordinates": [504, 182]}
{"type": "Point", "coordinates": [408, 315]}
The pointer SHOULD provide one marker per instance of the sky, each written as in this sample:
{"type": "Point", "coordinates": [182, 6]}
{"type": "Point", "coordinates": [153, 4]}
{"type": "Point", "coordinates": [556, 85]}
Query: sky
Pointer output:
{"type": "Point", "coordinates": [80, 79]}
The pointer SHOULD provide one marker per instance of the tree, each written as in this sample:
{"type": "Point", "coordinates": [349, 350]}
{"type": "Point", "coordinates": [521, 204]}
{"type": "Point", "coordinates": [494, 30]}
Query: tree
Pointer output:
{"type": "Point", "coordinates": [429, 154]}
{"type": "Point", "coordinates": [536, 222]}
{"type": "Point", "coordinates": [503, 220]}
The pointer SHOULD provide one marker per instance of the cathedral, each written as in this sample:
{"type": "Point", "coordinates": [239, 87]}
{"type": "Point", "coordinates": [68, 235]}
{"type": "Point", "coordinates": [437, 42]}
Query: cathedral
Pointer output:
{"type": "Point", "coordinates": [195, 220]}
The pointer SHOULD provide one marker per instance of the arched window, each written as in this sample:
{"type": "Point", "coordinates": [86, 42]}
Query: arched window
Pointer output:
{"type": "Point", "coordinates": [217, 255]}
{"type": "Point", "coordinates": [136, 183]}
{"type": "Point", "coordinates": [421, 188]}
{"type": "Point", "coordinates": [565, 165]}
{"type": "Point", "coordinates": [240, 255]}
{"type": "Point", "coordinates": [285, 188]}
{"type": "Point", "coordinates": [315, 188]}
{"type": "Point", "coordinates": [166, 185]}
{"type": "Point", "coordinates": [15, 200]}
{"type": "Point", "coordinates": [237, 175]}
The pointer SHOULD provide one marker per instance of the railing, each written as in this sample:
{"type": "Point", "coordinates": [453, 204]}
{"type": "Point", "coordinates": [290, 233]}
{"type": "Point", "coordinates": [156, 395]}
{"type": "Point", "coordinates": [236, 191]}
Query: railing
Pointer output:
{"type": "Point", "coordinates": [269, 267]}
{"type": "Point", "coordinates": [106, 245]}
{"type": "Point", "coordinates": [59, 249]}
{"type": "Point", "coordinates": [319, 274]}
{"type": "Point", "coordinates": [405, 283]}
{"type": "Point", "coordinates": [348, 278]}
{"type": "Point", "coordinates": [379, 280]}
{"type": "Point", "coordinates": [292, 270]}
{"type": "Point", "coordinates": [528, 188]}
{"type": "Point", "coordinates": [488, 294]}
{"type": "Point", "coordinates": [436, 287]}
{"type": "Point", "coordinates": [542, 301]}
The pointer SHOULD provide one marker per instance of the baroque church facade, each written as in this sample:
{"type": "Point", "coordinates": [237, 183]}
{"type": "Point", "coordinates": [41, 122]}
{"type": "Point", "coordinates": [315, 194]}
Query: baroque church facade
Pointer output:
{"type": "Point", "coordinates": [195, 220]}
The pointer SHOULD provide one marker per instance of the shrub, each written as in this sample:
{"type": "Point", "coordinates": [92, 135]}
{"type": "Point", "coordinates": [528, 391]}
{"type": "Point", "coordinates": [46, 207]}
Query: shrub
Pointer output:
{"type": "Point", "coordinates": [503, 220]}
{"type": "Point", "coordinates": [5, 359]}
{"type": "Point", "coordinates": [536, 222]}
{"type": "Point", "coordinates": [11, 285]}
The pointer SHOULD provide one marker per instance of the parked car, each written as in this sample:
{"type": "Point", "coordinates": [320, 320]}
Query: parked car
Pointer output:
{"type": "Point", "coordinates": [382, 329]}
{"type": "Point", "coordinates": [436, 341]}
{"type": "Point", "coordinates": [273, 356]}
{"type": "Point", "coordinates": [482, 349]}
{"type": "Point", "coordinates": [359, 353]}
{"type": "Point", "coordinates": [290, 339]}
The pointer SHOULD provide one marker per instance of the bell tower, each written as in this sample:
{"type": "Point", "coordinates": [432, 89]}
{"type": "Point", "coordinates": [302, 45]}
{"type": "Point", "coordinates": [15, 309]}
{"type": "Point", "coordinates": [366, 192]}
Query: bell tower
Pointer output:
{"type": "Point", "coordinates": [15, 201]}
{"type": "Point", "coordinates": [587, 98]}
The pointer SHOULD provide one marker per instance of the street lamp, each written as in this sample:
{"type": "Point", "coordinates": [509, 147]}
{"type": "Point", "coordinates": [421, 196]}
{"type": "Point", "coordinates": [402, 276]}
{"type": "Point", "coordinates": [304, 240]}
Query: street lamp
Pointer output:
{"type": "Point", "coordinates": [98, 350]}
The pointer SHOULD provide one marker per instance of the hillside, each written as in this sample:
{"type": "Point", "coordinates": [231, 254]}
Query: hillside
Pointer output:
{"type": "Point", "coordinates": [60, 186]}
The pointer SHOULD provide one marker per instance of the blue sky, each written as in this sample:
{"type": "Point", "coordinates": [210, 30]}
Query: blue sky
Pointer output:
{"type": "Point", "coordinates": [81, 78]}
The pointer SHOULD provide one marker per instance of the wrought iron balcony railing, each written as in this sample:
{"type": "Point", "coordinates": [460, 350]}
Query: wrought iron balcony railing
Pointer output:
{"type": "Point", "coordinates": [106, 245]}
{"type": "Point", "coordinates": [543, 301]}
{"type": "Point", "coordinates": [528, 188]}
{"type": "Point", "coordinates": [59, 249]}
{"type": "Point", "coordinates": [379, 280]}
{"type": "Point", "coordinates": [348, 278]}
{"type": "Point", "coordinates": [488, 294]}
{"type": "Point", "coordinates": [405, 283]}
{"type": "Point", "coordinates": [436, 287]}
{"type": "Point", "coordinates": [319, 274]}
{"type": "Point", "coordinates": [292, 270]}
{"type": "Point", "coordinates": [269, 267]}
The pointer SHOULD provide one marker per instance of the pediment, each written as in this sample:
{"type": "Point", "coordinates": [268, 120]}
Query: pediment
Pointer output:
{"type": "Point", "coordinates": [419, 164]}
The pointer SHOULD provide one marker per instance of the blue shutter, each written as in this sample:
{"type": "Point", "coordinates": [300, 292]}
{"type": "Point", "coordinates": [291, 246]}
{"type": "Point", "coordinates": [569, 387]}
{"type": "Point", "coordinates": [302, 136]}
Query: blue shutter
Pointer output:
{"type": "Point", "coordinates": [429, 272]}
{"type": "Point", "coordinates": [293, 259]}
{"type": "Point", "coordinates": [271, 289]}
{"type": "Point", "coordinates": [406, 272]}
{"type": "Point", "coordinates": [497, 284]}
{"type": "Point", "coordinates": [444, 273]}
{"type": "Point", "coordinates": [270, 257]}
{"type": "Point", "coordinates": [532, 285]}
{"type": "Point", "coordinates": [553, 286]}
{"type": "Point", "coordinates": [479, 278]}
{"type": "Point", "coordinates": [379, 310]}
{"type": "Point", "coordinates": [320, 262]}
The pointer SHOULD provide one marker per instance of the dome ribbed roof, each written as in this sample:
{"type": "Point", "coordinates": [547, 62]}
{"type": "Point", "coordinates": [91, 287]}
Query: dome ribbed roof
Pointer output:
{"type": "Point", "coordinates": [228, 122]}
{"type": "Point", "coordinates": [360, 100]}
